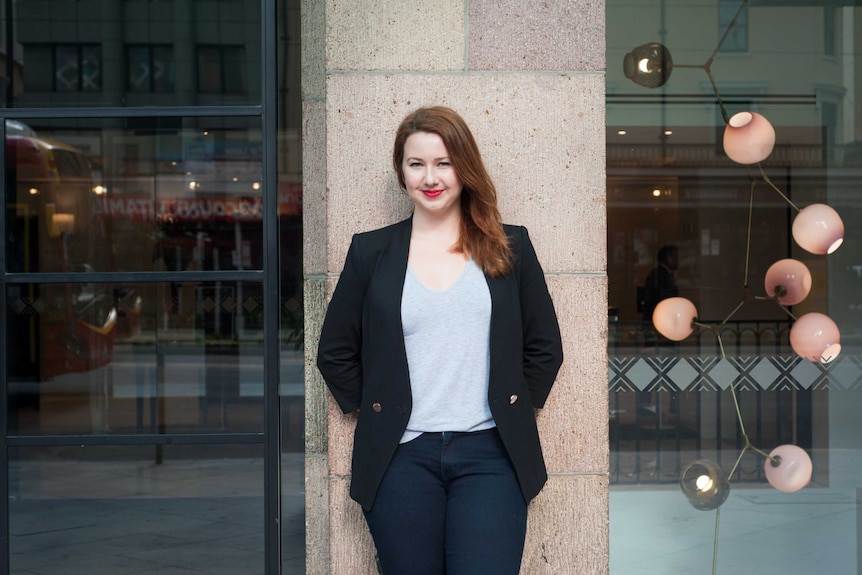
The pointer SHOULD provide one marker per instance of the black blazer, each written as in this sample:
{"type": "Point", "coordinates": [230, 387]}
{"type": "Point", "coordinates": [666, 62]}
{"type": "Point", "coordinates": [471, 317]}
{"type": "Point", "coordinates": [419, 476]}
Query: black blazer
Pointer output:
{"type": "Point", "coordinates": [362, 357]}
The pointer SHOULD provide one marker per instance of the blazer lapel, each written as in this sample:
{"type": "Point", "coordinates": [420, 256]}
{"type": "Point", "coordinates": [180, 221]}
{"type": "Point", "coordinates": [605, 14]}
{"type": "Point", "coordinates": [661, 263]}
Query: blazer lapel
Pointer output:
{"type": "Point", "coordinates": [389, 275]}
{"type": "Point", "coordinates": [392, 267]}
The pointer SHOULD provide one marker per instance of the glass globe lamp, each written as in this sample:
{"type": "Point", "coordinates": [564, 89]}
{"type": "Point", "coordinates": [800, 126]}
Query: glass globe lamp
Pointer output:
{"type": "Point", "coordinates": [673, 318]}
{"type": "Point", "coordinates": [815, 336]}
{"type": "Point", "coordinates": [788, 280]}
{"type": "Point", "coordinates": [648, 65]}
{"type": "Point", "coordinates": [788, 469]}
{"type": "Point", "coordinates": [818, 229]}
{"type": "Point", "coordinates": [704, 484]}
{"type": "Point", "coordinates": [748, 138]}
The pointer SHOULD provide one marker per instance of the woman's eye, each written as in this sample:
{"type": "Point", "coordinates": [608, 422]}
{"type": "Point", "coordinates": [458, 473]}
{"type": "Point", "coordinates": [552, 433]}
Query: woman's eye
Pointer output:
{"type": "Point", "coordinates": [444, 164]}
{"type": "Point", "coordinates": [414, 164]}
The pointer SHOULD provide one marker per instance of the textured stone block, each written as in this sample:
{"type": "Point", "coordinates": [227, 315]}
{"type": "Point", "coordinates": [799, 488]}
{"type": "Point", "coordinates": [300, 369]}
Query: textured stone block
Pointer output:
{"type": "Point", "coordinates": [565, 35]}
{"type": "Point", "coordinates": [313, 53]}
{"type": "Point", "coordinates": [351, 548]}
{"type": "Point", "coordinates": [317, 512]}
{"type": "Point", "coordinates": [314, 232]}
{"type": "Point", "coordinates": [567, 529]}
{"type": "Point", "coordinates": [541, 137]}
{"type": "Point", "coordinates": [341, 428]}
{"type": "Point", "coordinates": [574, 423]}
{"type": "Point", "coordinates": [395, 35]}
{"type": "Point", "coordinates": [316, 394]}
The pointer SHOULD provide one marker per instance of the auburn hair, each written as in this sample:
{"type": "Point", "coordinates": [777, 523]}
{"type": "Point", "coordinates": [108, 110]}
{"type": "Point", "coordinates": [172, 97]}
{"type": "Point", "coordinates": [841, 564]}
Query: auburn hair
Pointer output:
{"type": "Point", "coordinates": [481, 236]}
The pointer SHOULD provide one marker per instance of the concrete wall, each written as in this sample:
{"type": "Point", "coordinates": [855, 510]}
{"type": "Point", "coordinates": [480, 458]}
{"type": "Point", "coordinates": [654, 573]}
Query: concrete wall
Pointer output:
{"type": "Point", "coordinates": [528, 76]}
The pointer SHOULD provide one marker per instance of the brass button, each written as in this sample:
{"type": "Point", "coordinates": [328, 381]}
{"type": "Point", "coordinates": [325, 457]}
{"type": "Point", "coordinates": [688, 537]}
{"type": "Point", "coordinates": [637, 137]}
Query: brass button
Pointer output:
{"type": "Point", "coordinates": [376, 407]}
{"type": "Point", "coordinates": [512, 399]}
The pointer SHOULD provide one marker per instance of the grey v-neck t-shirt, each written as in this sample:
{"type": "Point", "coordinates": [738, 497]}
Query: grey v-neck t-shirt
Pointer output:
{"type": "Point", "coordinates": [446, 335]}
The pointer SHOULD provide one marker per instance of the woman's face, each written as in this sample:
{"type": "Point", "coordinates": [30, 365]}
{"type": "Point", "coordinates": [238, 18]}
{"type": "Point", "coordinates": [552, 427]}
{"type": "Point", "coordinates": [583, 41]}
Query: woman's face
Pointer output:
{"type": "Point", "coordinates": [430, 178]}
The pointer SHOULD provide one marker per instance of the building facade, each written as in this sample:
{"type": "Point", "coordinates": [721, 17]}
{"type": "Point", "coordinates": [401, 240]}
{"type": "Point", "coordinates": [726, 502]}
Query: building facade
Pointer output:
{"type": "Point", "coordinates": [181, 179]}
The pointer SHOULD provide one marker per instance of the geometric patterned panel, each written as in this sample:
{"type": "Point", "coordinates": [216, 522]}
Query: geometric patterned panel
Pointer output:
{"type": "Point", "coordinates": [619, 378]}
{"type": "Point", "coordinates": [745, 373]}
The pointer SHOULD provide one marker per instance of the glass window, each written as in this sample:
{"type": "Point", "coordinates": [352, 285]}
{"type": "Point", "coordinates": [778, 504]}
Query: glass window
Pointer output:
{"type": "Point", "coordinates": [135, 53]}
{"type": "Point", "coordinates": [735, 13]}
{"type": "Point", "coordinates": [132, 509]}
{"type": "Point", "coordinates": [830, 37]}
{"type": "Point", "coordinates": [91, 68]}
{"type": "Point", "coordinates": [150, 69]}
{"type": "Point", "coordinates": [67, 68]}
{"type": "Point", "coordinates": [694, 216]}
{"type": "Point", "coordinates": [155, 195]}
{"type": "Point", "coordinates": [93, 358]}
{"type": "Point", "coordinates": [77, 68]}
{"type": "Point", "coordinates": [221, 69]}
{"type": "Point", "coordinates": [131, 357]}
{"type": "Point", "coordinates": [162, 70]}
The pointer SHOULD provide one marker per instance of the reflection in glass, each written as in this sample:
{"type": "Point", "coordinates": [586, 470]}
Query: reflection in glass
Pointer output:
{"type": "Point", "coordinates": [136, 358]}
{"type": "Point", "coordinates": [130, 509]}
{"type": "Point", "coordinates": [222, 69]}
{"type": "Point", "coordinates": [158, 194]}
{"type": "Point", "coordinates": [150, 68]}
{"type": "Point", "coordinates": [134, 53]}
{"type": "Point", "coordinates": [670, 402]}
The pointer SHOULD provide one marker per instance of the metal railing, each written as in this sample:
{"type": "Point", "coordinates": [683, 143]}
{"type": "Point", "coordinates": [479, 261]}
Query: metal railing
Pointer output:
{"type": "Point", "coordinates": [670, 403]}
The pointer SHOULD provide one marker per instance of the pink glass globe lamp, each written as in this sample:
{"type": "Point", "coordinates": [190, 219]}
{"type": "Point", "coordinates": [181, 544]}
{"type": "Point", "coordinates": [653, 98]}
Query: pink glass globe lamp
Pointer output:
{"type": "Point", "coordinates": [748, 138]}
{"type": "Point", "coordinates": [673, 318]}
{"type": "Point", "coordinates": [818, 229]}
{"type": "Point", "coordinates": [789, 280]}
{"type": "Point", "coordinates": [815, 336]}
{"type": "Point", "coordinates": [788, 468]}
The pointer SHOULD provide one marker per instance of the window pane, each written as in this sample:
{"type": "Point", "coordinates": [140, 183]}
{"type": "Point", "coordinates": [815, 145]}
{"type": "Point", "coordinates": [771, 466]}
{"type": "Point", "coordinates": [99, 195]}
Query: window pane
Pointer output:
{"type": "Point", "coordinates": [735, 388]}
{"type": "Point", "coordinates": [737, 38]}
{"type": "Point", "coordinates": [830, 38]}
{"type": "Point", "coordinates": [67, 76]}
{"type": "Point", "coordinates": [74, 53]}
{"type": "Point", "coordinates": [163, 69]}
{"type": "Point", "coordinates": [130, 509]}
{"type": "Point", "coordinates": [234, 70]}
{"type": "Point", "coordinates": [210, 69]}
{"type": "Point", "coordinates": [139, 68]}
{"type": "Point", "coordinates": [40, 72]}
{"type": "Point", "coordinates": [167, 194]}
{"type": "Point", "coordinates": [135, 358]}
{"type": "Point", "coordinates": [91, 68]}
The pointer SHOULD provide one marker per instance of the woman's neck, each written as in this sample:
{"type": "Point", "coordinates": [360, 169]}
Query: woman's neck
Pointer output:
{"type": "Point", "coordinates": [447, 227]}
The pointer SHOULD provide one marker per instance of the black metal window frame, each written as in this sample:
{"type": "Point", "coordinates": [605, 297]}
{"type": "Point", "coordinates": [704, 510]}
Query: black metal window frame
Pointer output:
{"type": "Point", "coordinates": [266, 111]}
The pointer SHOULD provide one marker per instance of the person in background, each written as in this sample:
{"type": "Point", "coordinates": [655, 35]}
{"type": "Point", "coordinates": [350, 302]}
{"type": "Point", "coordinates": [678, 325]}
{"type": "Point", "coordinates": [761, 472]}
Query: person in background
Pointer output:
{"type": "Point", "coordinates": [442, 335]}
{"type": "Point", "coordinates": [661, 282]}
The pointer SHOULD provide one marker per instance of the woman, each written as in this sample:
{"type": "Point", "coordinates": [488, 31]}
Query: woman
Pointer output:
{"type": "Point", "coordinates": [442, 334]}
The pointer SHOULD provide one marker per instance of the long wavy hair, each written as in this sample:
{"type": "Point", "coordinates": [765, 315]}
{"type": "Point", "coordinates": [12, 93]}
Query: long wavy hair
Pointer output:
{"type": "Point", "coordinates": [481, 236]}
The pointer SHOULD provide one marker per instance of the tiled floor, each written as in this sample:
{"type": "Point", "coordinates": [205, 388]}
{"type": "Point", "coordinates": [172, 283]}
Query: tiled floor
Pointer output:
{"type": "Point", "coordinates": [762, 531]}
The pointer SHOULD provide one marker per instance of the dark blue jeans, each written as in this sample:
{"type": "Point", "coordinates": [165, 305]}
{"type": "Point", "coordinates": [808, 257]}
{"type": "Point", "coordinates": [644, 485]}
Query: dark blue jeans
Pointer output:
{"type": "Point", "coordinates": [449, 504]}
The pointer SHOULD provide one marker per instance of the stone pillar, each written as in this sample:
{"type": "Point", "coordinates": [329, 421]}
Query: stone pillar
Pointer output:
{"type": "Point", "coordinates": [528, 77]}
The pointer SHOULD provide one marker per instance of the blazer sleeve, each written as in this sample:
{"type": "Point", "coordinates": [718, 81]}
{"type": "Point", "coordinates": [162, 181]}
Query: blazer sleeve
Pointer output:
{"type": "Point", "coordinates": [339, 351]}
{"type": "Point", "coordinates": [543, 346]}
